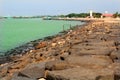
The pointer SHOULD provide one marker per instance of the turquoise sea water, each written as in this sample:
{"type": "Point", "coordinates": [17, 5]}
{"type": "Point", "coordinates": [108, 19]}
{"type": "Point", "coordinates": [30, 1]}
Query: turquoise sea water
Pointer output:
{"type": "Point", "coordinates": [15, 32]}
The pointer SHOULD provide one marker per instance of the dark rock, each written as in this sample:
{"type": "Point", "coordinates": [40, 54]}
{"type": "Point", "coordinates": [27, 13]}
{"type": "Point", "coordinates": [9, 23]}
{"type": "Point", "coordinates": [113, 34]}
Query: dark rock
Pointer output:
{"type": "Point", "coordinates": [5, 59]}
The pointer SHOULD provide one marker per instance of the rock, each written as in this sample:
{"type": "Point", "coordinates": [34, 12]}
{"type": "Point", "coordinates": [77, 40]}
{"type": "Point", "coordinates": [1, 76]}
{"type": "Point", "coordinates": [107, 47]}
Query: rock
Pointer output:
{"type": "Point", "coordinates": [56, 65]}
{"type": "Point", "coordinates": [53, 44]}
{"type": "Point", "coordinates": [115, 55]}
{"type": "Point", "coordinates": [3, 71]}
{"type": "Point", "coordinates": [22, 78]}
{"type": "Point", "coordinates": [89, 48]}
{"type": "Point", "coordinates": [5, 59]}
{"type": "Point", "coordinates": [41, 45]}
{"type": "Point", "coordinates": [42, 79]}
{"type": "Point", "coordinates": [92, 61]}
{"type": "Point", "coordinates": [117, 70]}
{"type": "Point", "coordinates": [22, 64]}
{"type": "Point", "coordinates": [81, 74]}
{"type": "Point", "coordinates": [6, 78]}
{"type": "Point", "coordinates": [33, 71]}
{"type": "Point", "coordinates": [64, 55]}
{"type": "Point", "coordinates": [104, 51]}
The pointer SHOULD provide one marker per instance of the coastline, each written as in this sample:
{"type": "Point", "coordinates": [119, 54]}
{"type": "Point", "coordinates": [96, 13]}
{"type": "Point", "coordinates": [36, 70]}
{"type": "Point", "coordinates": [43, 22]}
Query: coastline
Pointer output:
{"type": "Point", "coordinates": [27, 47]}
{"type": "Point", "coordinates": [91, 48]}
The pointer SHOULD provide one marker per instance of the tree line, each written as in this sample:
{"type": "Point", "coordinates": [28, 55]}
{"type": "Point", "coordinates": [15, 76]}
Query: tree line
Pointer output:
{"type": "Point", "coordinates": [84, 15]}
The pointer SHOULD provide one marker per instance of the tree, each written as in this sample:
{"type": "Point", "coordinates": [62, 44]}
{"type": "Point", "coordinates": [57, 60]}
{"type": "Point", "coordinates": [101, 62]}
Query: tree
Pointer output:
{"type": "Point", "coordinates": [116, 15]}
{"type": "Point", "coordinates": [71, 15]}
{"type": "Point", "coordinates": [97, 15]}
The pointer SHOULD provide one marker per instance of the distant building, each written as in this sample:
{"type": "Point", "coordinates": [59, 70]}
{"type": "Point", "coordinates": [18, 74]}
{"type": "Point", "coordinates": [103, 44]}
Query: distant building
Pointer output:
{"type": "Point", "coordinates": [107, 15]}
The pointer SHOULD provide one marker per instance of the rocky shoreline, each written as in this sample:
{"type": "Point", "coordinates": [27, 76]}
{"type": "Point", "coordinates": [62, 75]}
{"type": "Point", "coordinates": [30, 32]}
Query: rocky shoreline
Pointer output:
{"type": "Point", "coordinates": [90, 52]}
{"type": "Point", "coordinates": [23, 49]}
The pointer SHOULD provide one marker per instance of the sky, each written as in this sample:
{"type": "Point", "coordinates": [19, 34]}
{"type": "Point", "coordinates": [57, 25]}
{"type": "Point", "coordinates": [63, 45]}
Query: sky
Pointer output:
{"type": "Point", "coordinates": [56, 7]}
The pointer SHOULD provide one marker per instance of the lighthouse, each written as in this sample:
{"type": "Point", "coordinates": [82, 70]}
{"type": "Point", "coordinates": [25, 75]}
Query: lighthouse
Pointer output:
{"type": "Point", "coordinates": [91, 14]}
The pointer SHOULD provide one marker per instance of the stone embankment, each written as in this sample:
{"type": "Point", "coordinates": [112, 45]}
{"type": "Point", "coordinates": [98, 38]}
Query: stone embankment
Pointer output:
{"type": "Point", "coordinates": [91, 52]}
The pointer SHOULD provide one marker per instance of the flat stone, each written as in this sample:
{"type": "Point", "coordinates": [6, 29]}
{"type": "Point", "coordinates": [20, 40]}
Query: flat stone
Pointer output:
{"type": "Point", "coordinates": [22, 78]}
{"type": "Point", "coordinates": [34, 70]}
{"type": "Point", "coordinates": [81, 74]}
{"type": "Point", "coordinates": [117, 71]}
{"type": "Point", "coordinates": [115, 55]}
{"type": "Point", "coordinates": [3, 71]}
{"type": "Point", "coordinates": [56, 65]}
{"type": "Point", "coordinates": [94, 61]}
{"type": "Point", "coordinates": [106, 51]}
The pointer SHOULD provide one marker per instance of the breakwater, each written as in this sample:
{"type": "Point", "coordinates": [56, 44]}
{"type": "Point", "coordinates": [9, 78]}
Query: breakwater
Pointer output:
{"type": "Point", "coordinates": [23, 49]}
{"type": "Point", "coordinates": [30, 29]}
{"type": "Point", "coordinates": [90, 52]}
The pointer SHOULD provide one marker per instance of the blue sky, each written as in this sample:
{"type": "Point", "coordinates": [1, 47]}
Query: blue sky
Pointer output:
{"type": "Point", "coordinates": [55, 7]}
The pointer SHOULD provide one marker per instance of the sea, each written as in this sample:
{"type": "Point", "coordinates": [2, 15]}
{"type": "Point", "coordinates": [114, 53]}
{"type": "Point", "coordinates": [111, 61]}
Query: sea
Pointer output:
{"type": "Point", "coordinates": [16, 32]}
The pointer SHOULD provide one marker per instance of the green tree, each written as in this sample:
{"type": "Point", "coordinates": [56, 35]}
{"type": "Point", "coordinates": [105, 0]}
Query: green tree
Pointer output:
{"type": "Point", "coordinates": [97, 15]}
{"type": "Point", "coordinates": [71, 15]}
{"type": "Point", "coordinates": [116, 15]}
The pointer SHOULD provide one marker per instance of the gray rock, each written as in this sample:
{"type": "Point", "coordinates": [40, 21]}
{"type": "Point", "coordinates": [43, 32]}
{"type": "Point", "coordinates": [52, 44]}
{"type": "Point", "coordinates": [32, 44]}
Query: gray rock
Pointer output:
{"type": "Point", "coordinates": [117, 71]}
{"type": "Point", "coordinates": [56, 65]}
{"type": "Point", "coordinates": [81, 74]}
{"type": "Point", "coordinates": [115, 56]}
{"type": "Point", "coordinates": [94, 61]}
{"type": "Point", "coordinates": [34, 70]}
{"type": "Point", "coordinates": [22, 78]}
{"type": "Point", "coordinates": [3, 71]}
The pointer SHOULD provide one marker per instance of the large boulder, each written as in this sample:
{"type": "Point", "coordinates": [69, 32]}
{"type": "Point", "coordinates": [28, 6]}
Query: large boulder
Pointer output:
{"type": "Point", "coordinates": [3, 71]}
{"type": "Point", "coordinates": [81, 73]}
{"type": "Point", "coordinates": [56, 65]}
{"type": "Point", "coordinates": [117, 70]}
{"type": "Point", "coordinates": [93, 48]}
{"type": "Point", "coordinates": [115, 55]}
{"type": "Point", "coordinates": [33, 71]}
{"type": "Point", "coordinates": [22, 78]}
{"type": "Point", "coordinates": [92, 61]}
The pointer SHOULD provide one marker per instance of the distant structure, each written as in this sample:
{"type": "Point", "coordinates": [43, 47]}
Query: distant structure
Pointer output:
{"type": "Point", "coordinates": [106, 15]}
{"type": "Point", "coordinates": [91, 14]}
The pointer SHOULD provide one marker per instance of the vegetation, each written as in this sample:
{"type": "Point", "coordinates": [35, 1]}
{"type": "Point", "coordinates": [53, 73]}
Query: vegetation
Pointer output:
{"type": "Point", "coordinates": [82, 15]}
{"type": "Point", "coordinates": [97, 15]}
{"type": "Point", "coordinates": [116, 15]}
{"type": "Point", "coordinates": [77, 15]}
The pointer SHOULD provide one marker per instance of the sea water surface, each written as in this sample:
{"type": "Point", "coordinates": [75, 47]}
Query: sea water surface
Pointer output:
{"type": "Point", "coordinates": [16, 32]}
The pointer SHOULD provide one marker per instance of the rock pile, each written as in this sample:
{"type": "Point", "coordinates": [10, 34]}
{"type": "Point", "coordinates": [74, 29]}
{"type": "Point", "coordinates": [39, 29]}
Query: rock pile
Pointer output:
{"type": "Point", "coordinates": [91, 52]}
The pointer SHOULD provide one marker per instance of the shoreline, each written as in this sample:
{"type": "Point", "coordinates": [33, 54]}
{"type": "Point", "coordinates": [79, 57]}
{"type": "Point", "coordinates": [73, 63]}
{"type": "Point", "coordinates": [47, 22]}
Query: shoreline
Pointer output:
{"type": "Point", "coordinates": [27, 47]}
{"type": "Point", "coordinates": [92, 51]}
